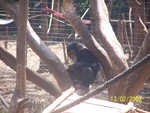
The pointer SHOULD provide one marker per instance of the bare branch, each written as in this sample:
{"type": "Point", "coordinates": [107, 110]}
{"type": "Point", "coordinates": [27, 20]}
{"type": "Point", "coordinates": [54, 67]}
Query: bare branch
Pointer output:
{"type": "Point", "coordinates": [4, 102]}
{"type": "Point", "coordinates": [34, 77]}
{"type": "Point", "coordinates": [59, 100]}
{"type": "Point", "coordinates": [48, 57]}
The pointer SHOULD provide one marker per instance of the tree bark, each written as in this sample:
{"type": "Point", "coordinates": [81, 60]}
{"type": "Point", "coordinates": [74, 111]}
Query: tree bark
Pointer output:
{"type": "Point", "coordinates": [33, 77]}
{"type": "Point", "coordinates": [140, 30]}
{"type": "Point", "coordinates": [20, 89]}
{"type": "Point", "coordinates": [48, 57]}
{"type": "Point", "coordinates": [138, 78]}
{"type": "Point", "coordinates": [109, 4]}
{"type": "Point", "coordinates": [110, 44]}
{"type": "Point", "coordinates": [107, 36]}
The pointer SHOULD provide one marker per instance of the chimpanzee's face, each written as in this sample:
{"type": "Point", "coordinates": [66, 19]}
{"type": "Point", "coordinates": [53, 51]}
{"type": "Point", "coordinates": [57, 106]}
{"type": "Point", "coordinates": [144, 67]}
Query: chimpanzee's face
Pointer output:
{"type": "Point", "coordinates": [73, 51]}
{"type": "Point", "coordinates": [73, 56]}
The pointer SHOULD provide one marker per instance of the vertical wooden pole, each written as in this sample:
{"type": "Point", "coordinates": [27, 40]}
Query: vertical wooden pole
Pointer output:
{"type": "Point", "coordinates": [44, 22]}
{"type": "Point", "coordinates": [6, 33]}
{"type": "Point", "coordinates": [120, 32]}
{"type": "Point", "coordinates": [21, 48]}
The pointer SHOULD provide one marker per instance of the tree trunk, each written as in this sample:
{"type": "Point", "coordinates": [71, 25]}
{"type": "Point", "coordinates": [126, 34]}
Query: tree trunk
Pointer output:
{"type": "Point", "coordinates": [110, 43]}
{"type": "Point", "coordinates": [138, 78]}
{"type": "Point", "coordinates": [140, 31]}
{"type": "Point", "coordinates": [48, 57]}
{"type": "Point", "coordinates": [107, 36]}
{"type": "Point", "coordinates": [70, 14]}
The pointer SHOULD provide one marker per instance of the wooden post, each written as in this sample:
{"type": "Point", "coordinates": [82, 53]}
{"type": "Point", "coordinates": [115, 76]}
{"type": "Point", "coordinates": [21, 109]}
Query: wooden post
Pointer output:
{"type": "Point", "coordinates": [44, 22]}
{"type": "Point", "coordinates": [126, 36]}
{"type": "Point", "coordinates": [21, 48]}
{"type": "Point", "coordinates": [120, 32]}
{"type": "Point", "coordinates": [6, 33]}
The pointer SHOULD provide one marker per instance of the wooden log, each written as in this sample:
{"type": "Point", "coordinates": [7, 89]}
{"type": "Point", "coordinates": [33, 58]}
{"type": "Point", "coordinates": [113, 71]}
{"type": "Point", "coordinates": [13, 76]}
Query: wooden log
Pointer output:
{"type": "Point", "coordinates": [53, 63]}
{"type": "Point", "coordinates": [59, 100]}
{"type": "Point", "coordinates": [4, 102]}
{"type": "Point", "coordinates": [141, 111]}
{"type": "Point", "coordinates": [20, 90]}
{"type": "Point", "coordinates": [21, 48]}
{"type": "Point", "coordinates": [128, 108]}
{"type": "Point", "coordinates": [32, 76]}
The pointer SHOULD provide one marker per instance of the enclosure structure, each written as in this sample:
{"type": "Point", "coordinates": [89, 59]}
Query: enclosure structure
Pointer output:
{"type": "Point", "coordinates": [53, 29]}
{"type": "Point", "coordinates": [51, 26]}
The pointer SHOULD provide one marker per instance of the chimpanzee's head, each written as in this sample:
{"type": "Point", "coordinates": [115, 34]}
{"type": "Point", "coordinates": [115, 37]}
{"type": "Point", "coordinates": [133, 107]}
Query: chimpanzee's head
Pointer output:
{"type": "Point", "coordinates": [73, 51]}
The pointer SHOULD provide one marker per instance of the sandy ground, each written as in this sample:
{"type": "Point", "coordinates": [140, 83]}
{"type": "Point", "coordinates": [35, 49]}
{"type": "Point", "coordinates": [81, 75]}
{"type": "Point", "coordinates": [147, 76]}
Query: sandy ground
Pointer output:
{"type": "Point", "coordinates": [39, 98]}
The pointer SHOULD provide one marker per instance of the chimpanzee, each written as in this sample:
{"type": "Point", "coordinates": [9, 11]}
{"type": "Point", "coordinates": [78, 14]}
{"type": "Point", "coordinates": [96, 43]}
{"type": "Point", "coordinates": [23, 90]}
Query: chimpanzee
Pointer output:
{"type": "Point", "coordinates": [85, 67]}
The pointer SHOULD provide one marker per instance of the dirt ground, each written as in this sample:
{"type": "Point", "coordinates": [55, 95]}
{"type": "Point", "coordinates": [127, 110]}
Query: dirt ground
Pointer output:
{"type": "Point", "coordinates": [39, 99]}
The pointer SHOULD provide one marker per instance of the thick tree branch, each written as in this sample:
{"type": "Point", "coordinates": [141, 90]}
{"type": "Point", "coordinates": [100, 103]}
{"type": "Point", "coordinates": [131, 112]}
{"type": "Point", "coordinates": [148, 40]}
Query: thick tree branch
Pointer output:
{"type": "Point", "coordinates": [34, 77]}
{"type": "Point", "coordinates": [50, 59]}
{"type": "Point", "coordinates": [140, 30]}
{"type": "Point", "coordinates": [71, 15]}
{"type": "Point", "coordinates": [111, 44]}
{"type": "Point", "coordinates": [4, 102]}
{"type": "Point", "coordinates": [59, 100]}
{"type": "Point", "coordinates": [142, 74]}
{"type": "Point", "coordinates": [107, 35]}
{"type": "Point", "coordinates": [145, 48]}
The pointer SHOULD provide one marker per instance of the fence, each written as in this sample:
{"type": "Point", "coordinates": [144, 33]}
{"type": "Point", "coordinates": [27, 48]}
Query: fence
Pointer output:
{"type": "Point", "coordinates": [53, 29]}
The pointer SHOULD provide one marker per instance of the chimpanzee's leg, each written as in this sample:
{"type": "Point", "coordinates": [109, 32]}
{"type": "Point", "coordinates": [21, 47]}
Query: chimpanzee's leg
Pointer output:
{"type": "Point", "coordinates": [87, 76]}
{"type": "Point", "coordinates": [81, 74]}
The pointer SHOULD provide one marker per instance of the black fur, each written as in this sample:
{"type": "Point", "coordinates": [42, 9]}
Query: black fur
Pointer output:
{"type": "Point", "coordinates": [84, 71]}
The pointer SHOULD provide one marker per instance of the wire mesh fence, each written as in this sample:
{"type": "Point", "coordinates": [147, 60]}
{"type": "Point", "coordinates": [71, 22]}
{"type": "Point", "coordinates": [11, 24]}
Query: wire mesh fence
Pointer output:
{"type": "Point", "coordinates": [56, 30]}
{"type": "Point", "coordinates": [52, 27]}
